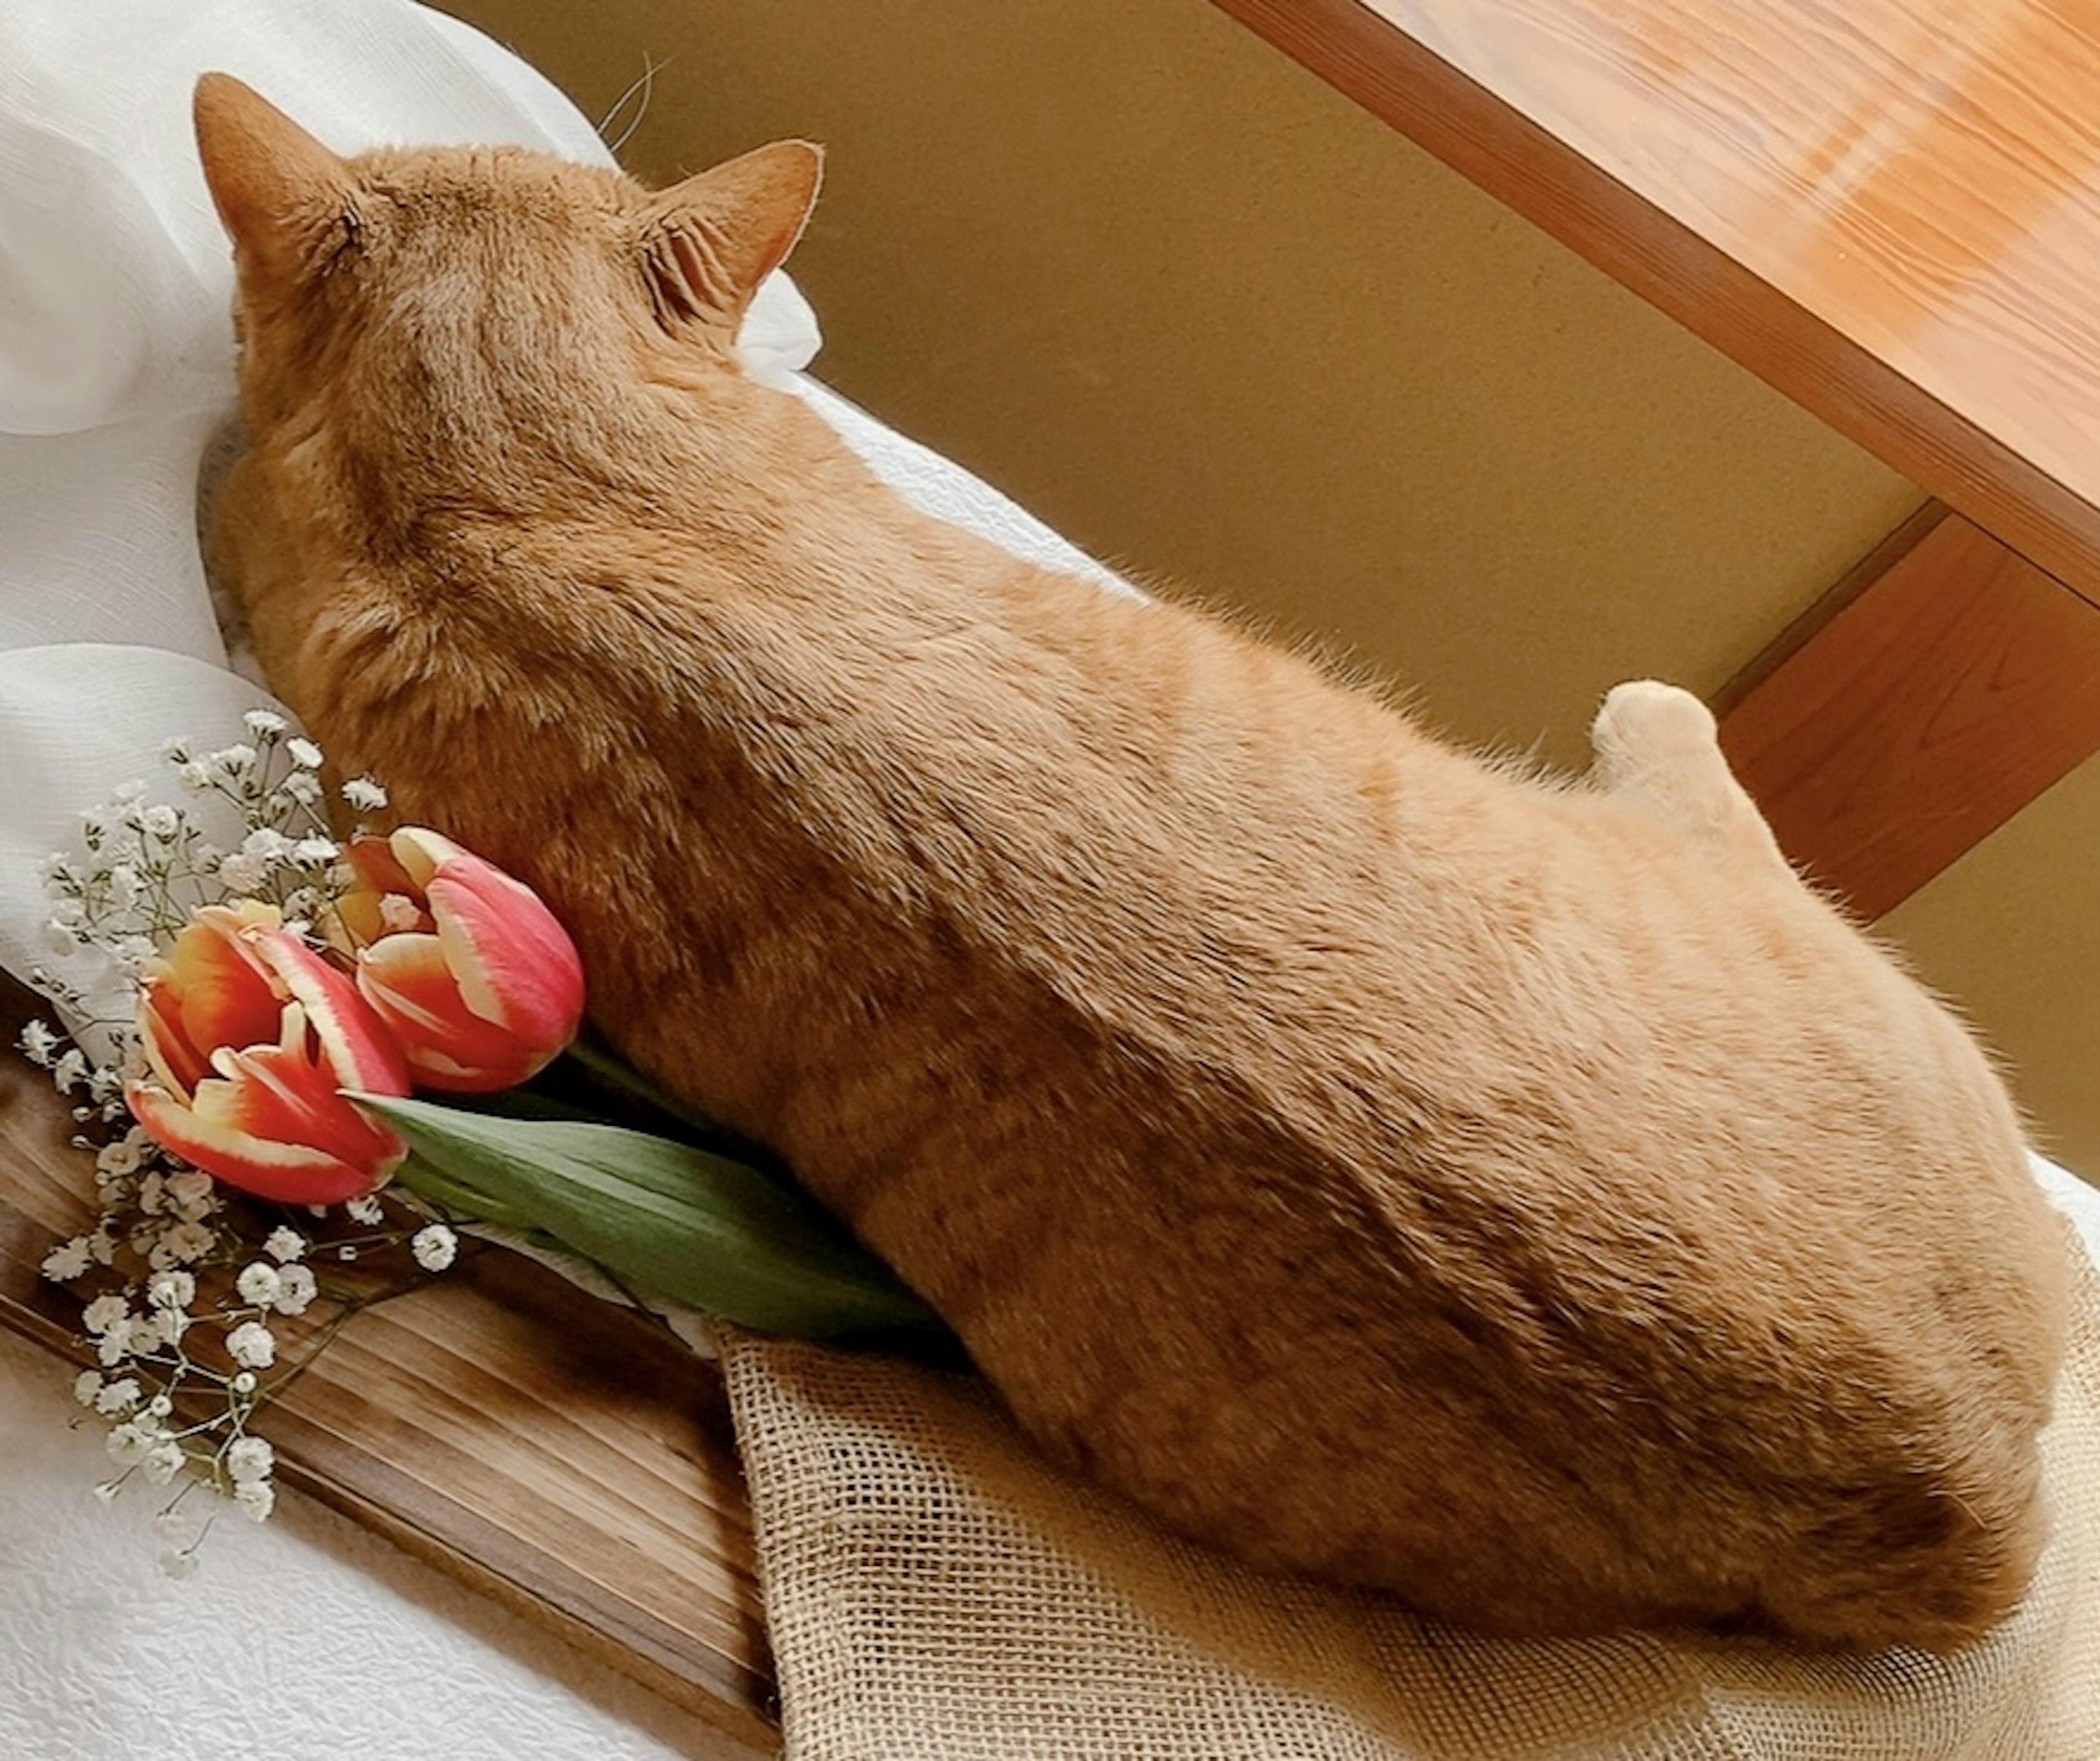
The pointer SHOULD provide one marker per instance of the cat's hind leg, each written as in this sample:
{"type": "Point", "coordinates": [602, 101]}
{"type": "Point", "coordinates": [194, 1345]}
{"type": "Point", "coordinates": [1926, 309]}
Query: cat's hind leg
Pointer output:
{"type": "Point", "coordinates": [1657, 745]}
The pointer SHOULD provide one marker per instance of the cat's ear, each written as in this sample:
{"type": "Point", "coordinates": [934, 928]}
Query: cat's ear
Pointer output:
{"type": "Point", "coordinates": [280, 193]}
{"type": "Point", "coordinates": [710, 240]}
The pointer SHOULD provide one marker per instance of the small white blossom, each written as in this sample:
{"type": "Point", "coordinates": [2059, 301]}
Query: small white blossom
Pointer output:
{"type": "Point", "coordinates": [70, 1260]}
{"type": "Point", "coordinates": [256, 1498]}
{"type": "Point", "coordinates": [186, 1242]}
{"type": "Point", "coordinates": [105, 1491]}
{"type": "Point", "coordinates": [252, 1345]}
{"type": "Point", "coordinates": [397, 911]}
{"type": "Point", "coordinates": [193, 773]}
{"type": "Point", "coordinates": [182, 1563]}
{"type": "Point", "coordinates": [115, 1345]}
{"type": "Point", "coordinates": [39, 1045]}
{"type": "Point", "coordinates": [367, 1210]}
{"type": "Point", "coordinates": [313, 851]}
{"type": "Point", "coordinates": [296, 1288]}
{"type": "Point", "coordinates": [159, 1406]}
{"type": "Point", "coordinates": [267, 844]}
{"type": "Point", "coordinates": [284, 1244]}
{"type": "Point", "coordinates": [117, 1398]}
{"type": "Point", "coordinates": [70, 1071]}
{"type": "Point", "coordinates": [259, 1284]}
{"type": "Point", "coordinates": [87, 1386]}
{"type": "Point", "coordinates": [244, 1382]}
{"type": "Point", "coordinates": [250, 1458]}
{"type": "Point", "coordinates": [435, 1247]}
{"type": "Point", "coordinates": [365, 794]}
{"type": "Point", "coordinates": [233, 762]}
{"type": "Point", "coordinates": [171, 1290]}
{"type": "Point", "coordinates": [302, 786]}
{"type": "Point", "coordinates": [174, 1525]}
{"type": "Point", "coordinates": [261, 724]}
{"type": "Point", "coordinates": [243, 874]}
{"type": "Point", "coordinates": [161, 822]}
{"type": "Point", "coordinates": [164, 1461]}
{"type": "Point", "coordinates": [190, 1195]}
{"type": "Point", "coordinates": [128, 1445]}
{"type": "Point", "coordinates": [304, 753]}
{"type": "Point", "coordinates": [99, 1315]}
{"type": "Point", "coordinates": [123, 1156]}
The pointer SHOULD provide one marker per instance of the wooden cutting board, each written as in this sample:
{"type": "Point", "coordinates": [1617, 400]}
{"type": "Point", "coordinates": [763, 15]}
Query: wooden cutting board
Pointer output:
{"type": "Point", "coordinates": [548, 1449]}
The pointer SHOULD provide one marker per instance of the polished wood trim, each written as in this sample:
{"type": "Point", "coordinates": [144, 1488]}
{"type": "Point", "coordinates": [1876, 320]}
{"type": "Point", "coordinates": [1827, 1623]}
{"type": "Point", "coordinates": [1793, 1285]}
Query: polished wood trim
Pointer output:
{"type": "Point", "coordinates": [550, 1450]}
{"type": "Point", "coordinates": [1941, 689]}
{"type": "Point", "coordinates": [1892, 213]}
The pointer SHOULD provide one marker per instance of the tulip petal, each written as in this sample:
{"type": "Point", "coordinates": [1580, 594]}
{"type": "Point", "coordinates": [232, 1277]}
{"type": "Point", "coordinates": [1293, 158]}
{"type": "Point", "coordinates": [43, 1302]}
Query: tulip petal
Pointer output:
{"type": "Point", "coordinates": [291, 1174]}
{"type": "Point", "coordinates": [515, 962]}
{"type": "Point", "coordinates": [409, 985]}
{"type": "Point", "coordinates": [212, 988]}
{"type": "Point", "coordinates": [359, 1051]}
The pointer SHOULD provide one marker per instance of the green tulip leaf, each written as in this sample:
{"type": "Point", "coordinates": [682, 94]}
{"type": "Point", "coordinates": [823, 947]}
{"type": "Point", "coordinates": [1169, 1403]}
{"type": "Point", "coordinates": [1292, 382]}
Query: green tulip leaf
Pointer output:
{"type": "Point", "coordinates": [677, 1221]}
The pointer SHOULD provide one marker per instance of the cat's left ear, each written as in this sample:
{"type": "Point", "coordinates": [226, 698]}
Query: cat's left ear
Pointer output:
{"type": "Point", "coordinates": [710, 240]}
{"type": "Point", "coordinates": [285, 197]}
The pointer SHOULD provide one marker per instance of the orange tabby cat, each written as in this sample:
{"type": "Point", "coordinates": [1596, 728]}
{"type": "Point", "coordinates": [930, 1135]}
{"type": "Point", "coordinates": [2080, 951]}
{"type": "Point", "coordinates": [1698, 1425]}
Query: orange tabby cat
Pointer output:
{"type": "Point", "coordinates": [1527, 1198]}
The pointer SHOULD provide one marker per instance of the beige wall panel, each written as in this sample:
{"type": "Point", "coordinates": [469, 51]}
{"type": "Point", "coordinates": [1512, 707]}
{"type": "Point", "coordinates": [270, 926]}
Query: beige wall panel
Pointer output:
{"type": "Point", "coordinates": [2012, 933]}
{"type": "Point", "coordinates": [1229, 332]}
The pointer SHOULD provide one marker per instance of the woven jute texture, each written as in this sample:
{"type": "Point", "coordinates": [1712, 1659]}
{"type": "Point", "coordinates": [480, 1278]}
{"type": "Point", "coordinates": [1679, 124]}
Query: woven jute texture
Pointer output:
{"type": "Point", "coordinates": [936, 1592]}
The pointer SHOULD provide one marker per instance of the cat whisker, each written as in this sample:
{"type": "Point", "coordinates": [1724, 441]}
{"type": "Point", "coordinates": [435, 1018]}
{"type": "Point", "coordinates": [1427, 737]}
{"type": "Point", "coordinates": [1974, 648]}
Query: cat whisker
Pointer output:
{"type": "Point", "coordinates": [643, 88]}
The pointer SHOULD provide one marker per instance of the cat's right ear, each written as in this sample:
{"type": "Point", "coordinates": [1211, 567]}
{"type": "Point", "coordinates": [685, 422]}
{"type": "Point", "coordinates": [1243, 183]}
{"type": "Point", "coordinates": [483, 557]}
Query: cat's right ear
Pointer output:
{"type": "Point", "coordinates": [710, 240]}
{"type": "Point", "coordinates": [283, 196]}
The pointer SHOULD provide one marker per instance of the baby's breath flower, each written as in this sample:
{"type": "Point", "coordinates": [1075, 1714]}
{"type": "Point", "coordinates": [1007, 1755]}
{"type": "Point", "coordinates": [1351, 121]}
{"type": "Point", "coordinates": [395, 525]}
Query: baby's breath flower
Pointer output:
{"type": "Point", "coordinates": [256, 1498]}
{"type": "Point", "coordinates": [252, 1345]}
{"type": "Point", "coordinates": [397, 911]}
{"type": "Point", "coordinates": [161, 822]}
{"type": "Point", "coordinates": [66, 1262]}
{"type": "Point", "coordinates": [128, 1445]}
{"type": "Point", "coordinates": [174, 1525]}
{"type": "Point", "coordinates": [435, 1247]}
{"type": "Point", "coordinates": [250, 1458]}
{"type": "Point", "coordinates": [186, 1242]}
{"type": "Point", "coordinates": [265, 724]}
{"type": "Point", "coordinates": [296, 1288]}
{"type": "Point", "coordinates": [164, 1461]}
{"type": "Point", "coordinates": [234, 762]}
{"type": "Point", "coordinates": [302, 786]}
{"type": "Point", "coordinates": [244, 1382]}
{"type": "Point", "coordinates": [243, 874]}
{"type": "Point", "coordinates": [181, 1563]}
{"type": "Point", "coordinates": [304, 753]}
{"type": "Point", "coordinates": [117, 1398]}
{"type": "Point", "coordinates": [104, 1312]}
{"type": "Point", "coordinates": [259, 1284]}
{"type": "Point", "coordinates": [367, 1210]}
{"type": "Point", "coordinates": [313, 851]}
{"type": "Point", "coordinates": [115, 1345]}
{"type": "Point", "coordinates": [171, 1290]}
{"type": "Point", "coordinates": [194, 774]}
{"type": "Point", "coordinates": [87, 1386]}
{"type": "Point", "coordinates": [70, 1072]}
{"type": "Point", "coordinates": [284, 1244]}
{"type": "Point", "coordinates": [39, 1045]}
{"type": "Point", "coordinates": [365, 794]}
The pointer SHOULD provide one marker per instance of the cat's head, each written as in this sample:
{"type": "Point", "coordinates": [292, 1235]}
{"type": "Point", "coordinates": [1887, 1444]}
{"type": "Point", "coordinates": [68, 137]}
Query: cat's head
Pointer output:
{"type": "Point", "coordinates": [402, 263]}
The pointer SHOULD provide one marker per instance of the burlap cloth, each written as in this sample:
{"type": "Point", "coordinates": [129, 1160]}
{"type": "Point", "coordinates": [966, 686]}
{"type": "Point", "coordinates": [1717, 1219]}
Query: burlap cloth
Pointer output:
{"type": "Point", "coordinates": [936, 1592]}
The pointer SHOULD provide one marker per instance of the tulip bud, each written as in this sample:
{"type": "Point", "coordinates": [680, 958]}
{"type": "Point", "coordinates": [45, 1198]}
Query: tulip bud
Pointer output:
{"type": "Point", "coordinates": [479, 983]}
{"type": "Point", "coordinates": [250, 1037]}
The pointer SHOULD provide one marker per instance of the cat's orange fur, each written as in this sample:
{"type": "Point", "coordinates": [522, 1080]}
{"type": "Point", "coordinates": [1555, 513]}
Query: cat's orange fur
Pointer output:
{"type": "Point", "coordinates": [1529, 1197]}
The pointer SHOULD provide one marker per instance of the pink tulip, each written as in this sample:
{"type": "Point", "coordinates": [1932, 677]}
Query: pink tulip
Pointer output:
{"type": "Point", "coordinates": [249, 1036]}
{"type": "Point", "coordinates": [475, 979]}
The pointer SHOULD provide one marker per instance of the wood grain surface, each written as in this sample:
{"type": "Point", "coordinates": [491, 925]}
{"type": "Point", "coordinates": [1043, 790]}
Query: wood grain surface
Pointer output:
{"type": "Point", "coordinates": [1948, 684]}
{"type": "Point", "coordinates": [1889, 209]}
{"type": "Point", "coordinates": [550, 1450]}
